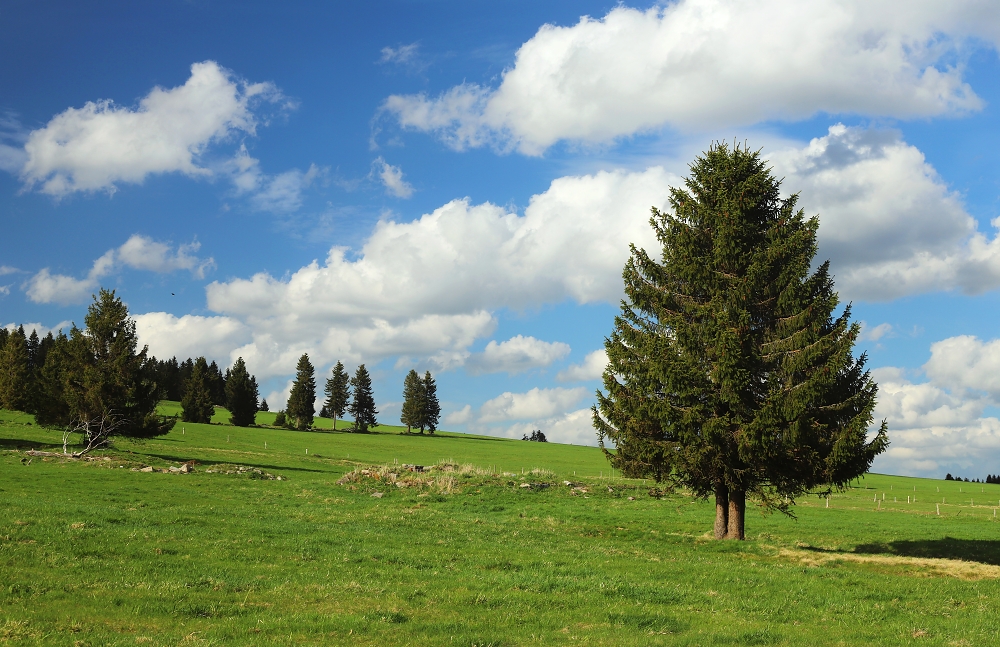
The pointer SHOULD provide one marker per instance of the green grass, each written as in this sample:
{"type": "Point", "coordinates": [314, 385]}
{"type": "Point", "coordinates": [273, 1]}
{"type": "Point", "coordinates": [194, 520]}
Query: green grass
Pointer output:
{"type": "Point", "coordinates": [94, 553]}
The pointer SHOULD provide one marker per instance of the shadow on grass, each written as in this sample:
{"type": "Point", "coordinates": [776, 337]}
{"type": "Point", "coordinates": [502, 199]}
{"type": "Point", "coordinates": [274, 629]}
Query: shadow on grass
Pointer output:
{"type": "Point", "coordinates": [983, 551]}
{"type": "Point", "coordinates": [19, 443]}
{"type": "Point", "coordinates": [182, 459]}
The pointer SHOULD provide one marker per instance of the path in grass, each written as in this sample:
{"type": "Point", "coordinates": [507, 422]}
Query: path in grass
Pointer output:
{"type": "Point", "coordinates": [94, 553]}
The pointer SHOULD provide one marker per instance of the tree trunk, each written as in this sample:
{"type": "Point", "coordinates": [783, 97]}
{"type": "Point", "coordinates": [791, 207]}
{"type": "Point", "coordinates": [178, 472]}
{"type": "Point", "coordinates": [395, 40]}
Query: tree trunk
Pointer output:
{"type": "Point", "coordinates": [737, 510]}
{"type": "Point", "coordinates": [721, 510]}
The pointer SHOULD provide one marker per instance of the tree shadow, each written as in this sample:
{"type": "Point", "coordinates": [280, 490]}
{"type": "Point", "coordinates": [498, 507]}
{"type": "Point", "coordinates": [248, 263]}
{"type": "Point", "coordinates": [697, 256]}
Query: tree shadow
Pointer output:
{"type": "Point", "coordinates": [19, 444]}
{"type": "Point", "coordinates": [984, 551]}
{"type": "Point", "coordinates": [182, 459]}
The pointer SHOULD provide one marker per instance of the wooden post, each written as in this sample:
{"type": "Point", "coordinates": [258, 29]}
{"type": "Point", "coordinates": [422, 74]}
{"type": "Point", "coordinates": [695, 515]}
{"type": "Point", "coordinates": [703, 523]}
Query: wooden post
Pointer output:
{"type": "Point", "coordinates": [938, 506]}
{"type": "Point", "coordinates": [828, 503]}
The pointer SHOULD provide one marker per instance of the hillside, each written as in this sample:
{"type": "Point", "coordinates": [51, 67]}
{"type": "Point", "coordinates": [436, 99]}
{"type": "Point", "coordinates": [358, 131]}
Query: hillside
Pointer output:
{"type": "Point", "coordinates": [95, 552]}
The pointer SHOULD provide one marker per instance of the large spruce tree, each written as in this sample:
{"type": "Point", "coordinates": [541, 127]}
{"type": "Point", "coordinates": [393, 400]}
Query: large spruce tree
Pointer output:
{"type": "Point", "coordinates": [107, 377]}
{"type": "Point", "coordinates": [197, 405]}
{"type": "Point", "coordinates": [52, 408]}
{"type": "Point", "coordinates": [362, 406]}
{"type": "Point", "coordinates": [413, 401]}
{"type": "Point", "coordinates": [241, 395]}
{"type": "Point", "coordinates": [432, 408]}
{"type": "Point", "coordinates": [729, 371]}
{"type": "Point", "coordinates": [302, 400]}
{"type": "Point", "coordinates": [338, 393]}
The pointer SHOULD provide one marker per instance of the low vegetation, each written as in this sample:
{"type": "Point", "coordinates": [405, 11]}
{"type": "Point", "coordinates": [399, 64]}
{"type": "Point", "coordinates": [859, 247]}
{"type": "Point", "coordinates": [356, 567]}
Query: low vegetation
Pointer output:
{"type": "Point", "coordinates": [388, 538]}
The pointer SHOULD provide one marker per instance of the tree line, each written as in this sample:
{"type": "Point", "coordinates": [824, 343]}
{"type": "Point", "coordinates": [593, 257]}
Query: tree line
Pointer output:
{"type": "Point", "coordinates": [92, 376]}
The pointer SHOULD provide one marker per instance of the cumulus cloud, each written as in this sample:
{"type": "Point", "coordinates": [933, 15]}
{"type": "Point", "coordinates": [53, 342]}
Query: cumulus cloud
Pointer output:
{"type": "Point", "coordinates": [874, 334]}
{"type": "Point", "coordinates": [392, 179]}
{"type": "Point", "coordinates": [933, 430]}
{"type": "Point", "coordinates": [966, 363]}
{"type": "Point", "coordinates": [574, 427]}
{"type": "Point", "coordinates": [39, 328]}
{"type": "Point", "coordinates": [592, 368]}
{"type": "Point", "coordinates": [191, 336]}
{"type": "Point", "coordinates": [697, 65]}
{"type": "Point", "coordinates": [516, 355]}
{"type": "Point", "coordinates": [281, 193]}
{"type": "Point", "coordinates": [94, 147]}
{"type": "Point", "coordinates": [426, 288]}
{"type": "Point", "coordinates": [888, 223]}
{"type": "Point", "coordinates": [459, 417]}
{"type": "Point", "coordinates": [139, 252]}
{"type": "Point", "coordinates": [536, 403]}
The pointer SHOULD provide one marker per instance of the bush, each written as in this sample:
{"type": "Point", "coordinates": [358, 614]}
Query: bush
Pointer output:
{"type": "Point", "coordinates": [279, 419]}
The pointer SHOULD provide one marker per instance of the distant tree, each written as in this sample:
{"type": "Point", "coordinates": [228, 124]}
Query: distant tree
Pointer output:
{"type": "Point", "coordinates": [15, 373]}
{"type": "Point", "coordinates": [108, 378]}
{"type": "Point", "coordinates": [362, 407]}
{"type": "Point", "coordinates": [52, 408]}
{"type": "Point", "coordinates": [536, 436]}
{"type": "Point", "coordinates": [338, 393]}
{"type": "Point", "coordinates": [4, 336]}
{"type": "Point", "coordinates": [729, 373]}
{"type": "Point", "coordinates": [302, 400]}
{"type": "Point", "coordinates": [241, 395]}
{"type": "Point", "coordinates": [279, 419]}
{"type": "Point", "coordinates": [217, 384]}
{"type": "Point", "coordinates": [324, 412]}
{"type": "Point", "coordinates": [263, 405]}
{"type": "Point", "coordinates": [432, 408]}
{"type": "Point", "coordinates": [197, 406]}
{"type": "Point", "coordinates": [183, 375]}
{"type": "Point", "coordinates": [414, 401]}
{"type": "Point", "coordinates": [34, 361]}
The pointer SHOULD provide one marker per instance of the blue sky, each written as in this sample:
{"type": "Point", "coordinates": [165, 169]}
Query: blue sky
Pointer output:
{"type": "Point", "coordinates": [453, 186]}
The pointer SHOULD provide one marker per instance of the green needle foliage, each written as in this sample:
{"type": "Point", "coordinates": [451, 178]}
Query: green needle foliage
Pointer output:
{"type": "Point", "coordinates": [197, 405]}
{"type": "Point", "coordinates": [362, 407]}
{"type": "Point", "coordinates": [108, 376]}
{"type": "Point", "coordinates": [241, 395]}
{"type": "Point", "coordinates": [728, 372]}
{"type": "Point", "coordinates": [414, 401]}
{"type": "Point", "coordinates": [432, 408]}
{"type": "Point", "coordinates": [338, 393]}
{"type": "Point", "coordinates": [302, 399]}
{"type": "Point", "coordinates": [15, 372]}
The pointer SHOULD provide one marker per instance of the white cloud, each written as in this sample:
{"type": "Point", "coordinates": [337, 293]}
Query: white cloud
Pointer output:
{"type": "Point", "coordinates": [392, 179]}
{"type": "Point", "coordinates": [575, 427]}
{"type": "Point", "coordinates": [39, 328]}
{"type": "Point", "coordinates": [536, 403]}
{"type": "Point", "coordinates": [966, 363]}
{"type": "Point", "coordinates": [932, 430]}
{"type": "Point", "coordinates": [281, 193]}
{"type": "Point", "coordinates": [94, 147]}
{"type": "Point", "coordinates": [516, 355]}
{"type": "Point", "coordinates": [592, 368]}
{"type": "Point", "coordinates": [139, 252]}
{"type": "Point", "coordinates": [404, 54]}
{"type": "Point", "coordinates": [459, 417]}
{"type": "Point", "coordinates": [45, 287]}
{"type": "Point", "coordinates": [192, 336]}
{"type": "Point", "coordinates": [888, 223]}
{"type": "Point", "coordinates": [143, 253]}
{"type": "Point", "coordinates": [876, 333]}
{"type": "Point", "coordinates": [697, 65]}
{"type": "Point", "coordinates": [7, 269]}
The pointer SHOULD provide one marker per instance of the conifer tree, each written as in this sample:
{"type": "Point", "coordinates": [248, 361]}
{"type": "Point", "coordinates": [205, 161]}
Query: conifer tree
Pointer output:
{"type": "Point", "coordinates": [108, 376]}
{"type": "Point", "coordinates": [302, 400]}
{"type": "Point", "coordinates": [15, 372]}
{"type": "Point", "coordinates": [197, 405]}
{"type": "Point", "coordinates": [51, 408]}
{"type": "Point", "coordinates": [338, 393]}
{"type": "Point", "coordinates": [4, 335]}
{"type": "Point", "coordinates": [263, 405]}
{"type": "Point", "coordinates": [729, 373]}
{"type": "Point", "coordinates": [362, 407]}
{"type": "Point", "coordinates": [241, 395]}
{"type": "Point", "coordinates": [432, 408]}
{"type": "Point", "coordinates": [413, 401]}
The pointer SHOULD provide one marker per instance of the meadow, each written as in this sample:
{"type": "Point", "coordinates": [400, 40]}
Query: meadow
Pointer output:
{"type": "Point", "coordinates": [491, 547]}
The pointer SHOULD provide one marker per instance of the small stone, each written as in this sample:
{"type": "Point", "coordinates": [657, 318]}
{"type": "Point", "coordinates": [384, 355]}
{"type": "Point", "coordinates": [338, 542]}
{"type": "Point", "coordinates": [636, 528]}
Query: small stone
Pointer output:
{"type": "Point", "coordinates": [631, 498]}
{"type": "Point", "coordinates": [526, 485]}
{"type": "Point", "coordinates": [377, 495]}
{"type": "Point", "coordinates": [147, 469]}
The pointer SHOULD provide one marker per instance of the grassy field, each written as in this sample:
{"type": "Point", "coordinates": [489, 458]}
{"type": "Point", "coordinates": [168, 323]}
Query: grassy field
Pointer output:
{"type": "Point", "coordinates": [94, 553]}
